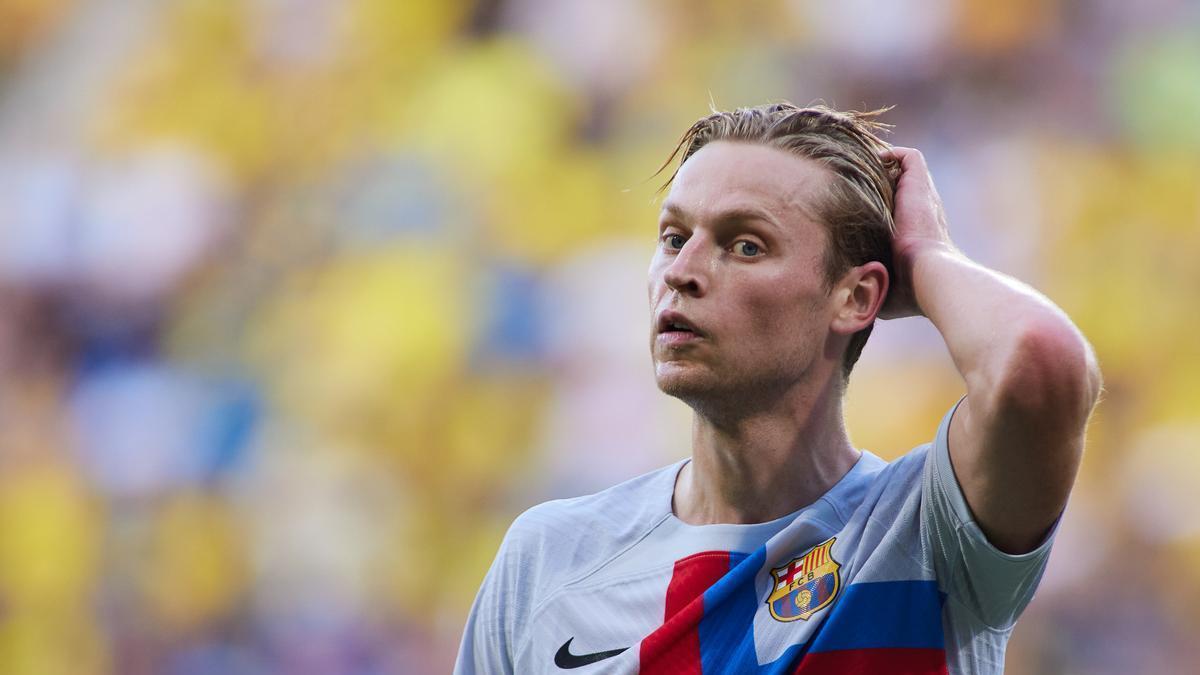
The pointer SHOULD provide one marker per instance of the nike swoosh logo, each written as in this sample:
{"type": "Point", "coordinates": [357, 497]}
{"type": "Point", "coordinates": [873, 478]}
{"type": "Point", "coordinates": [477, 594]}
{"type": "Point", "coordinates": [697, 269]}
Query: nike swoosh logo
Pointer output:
{"type": "Point", "coordinates": [565, 659]}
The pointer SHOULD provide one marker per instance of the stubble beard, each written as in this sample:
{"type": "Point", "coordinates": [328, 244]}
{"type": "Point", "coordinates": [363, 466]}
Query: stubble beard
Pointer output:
{"type": "Point", "coordinates": [728, 396]}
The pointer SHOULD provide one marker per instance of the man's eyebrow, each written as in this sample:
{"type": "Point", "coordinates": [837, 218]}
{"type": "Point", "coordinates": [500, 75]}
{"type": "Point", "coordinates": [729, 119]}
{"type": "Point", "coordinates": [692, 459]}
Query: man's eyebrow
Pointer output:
{"type": "Point", "coordinates": [674, 211]}
{"type": "Point", "coordinates": [735, 214]}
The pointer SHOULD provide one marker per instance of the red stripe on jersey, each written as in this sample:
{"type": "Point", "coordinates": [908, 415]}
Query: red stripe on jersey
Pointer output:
{"type": "Point", "coordinates": [874, 662]}
{"type": "Point", "coordinates": [675, 646]}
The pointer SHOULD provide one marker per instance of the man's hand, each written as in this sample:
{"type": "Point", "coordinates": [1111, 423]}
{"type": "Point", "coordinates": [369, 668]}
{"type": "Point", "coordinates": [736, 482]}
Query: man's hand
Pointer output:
{"type": "Point", "coordinates": [920, 227]}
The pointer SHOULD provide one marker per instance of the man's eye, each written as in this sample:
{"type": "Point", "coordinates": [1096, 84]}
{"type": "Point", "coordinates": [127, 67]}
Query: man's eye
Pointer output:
{"type": "Point", "coordinates": [747, 248]}
{"type": "Point", "coordinates": [674, 241]}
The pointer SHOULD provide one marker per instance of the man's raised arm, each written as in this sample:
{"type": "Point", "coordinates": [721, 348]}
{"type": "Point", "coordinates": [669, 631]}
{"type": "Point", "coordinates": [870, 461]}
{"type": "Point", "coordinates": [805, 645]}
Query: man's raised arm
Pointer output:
{"type": "Point", "coordinates": [1032, 379]}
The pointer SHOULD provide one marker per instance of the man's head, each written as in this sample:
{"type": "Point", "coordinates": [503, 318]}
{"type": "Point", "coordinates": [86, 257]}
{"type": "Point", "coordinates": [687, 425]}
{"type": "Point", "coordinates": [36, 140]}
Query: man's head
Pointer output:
{"type": "Point", "coordinates": [777, 234]}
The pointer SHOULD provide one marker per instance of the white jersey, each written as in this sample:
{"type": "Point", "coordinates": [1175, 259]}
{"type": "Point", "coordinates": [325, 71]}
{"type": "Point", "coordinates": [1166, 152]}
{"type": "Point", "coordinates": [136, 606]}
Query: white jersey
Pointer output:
{"type": "Point", "coordinates": [885, 573]}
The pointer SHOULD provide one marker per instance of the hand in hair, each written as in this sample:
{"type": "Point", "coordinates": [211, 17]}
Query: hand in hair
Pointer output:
{"type": "Point", "coordinates": [921, 227]}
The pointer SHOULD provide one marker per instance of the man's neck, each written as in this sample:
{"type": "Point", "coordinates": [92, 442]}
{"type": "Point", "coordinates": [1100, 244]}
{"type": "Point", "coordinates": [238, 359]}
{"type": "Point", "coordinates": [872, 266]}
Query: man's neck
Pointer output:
{"type": "Point", "coordinates": [760, 466]}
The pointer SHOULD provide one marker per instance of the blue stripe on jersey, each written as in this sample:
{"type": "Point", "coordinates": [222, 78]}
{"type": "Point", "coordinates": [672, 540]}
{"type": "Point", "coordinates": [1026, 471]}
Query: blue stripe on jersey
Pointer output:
{"type": "Point", "coordinates": [894, 614]}
{"type": "Point", "coordinates": [727, 629]}
{"type": "Point", "coordinates": [884, 614]}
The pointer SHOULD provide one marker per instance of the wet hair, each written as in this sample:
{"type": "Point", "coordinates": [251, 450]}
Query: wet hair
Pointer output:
{"type": "Point", "coordinates": [857, 209]}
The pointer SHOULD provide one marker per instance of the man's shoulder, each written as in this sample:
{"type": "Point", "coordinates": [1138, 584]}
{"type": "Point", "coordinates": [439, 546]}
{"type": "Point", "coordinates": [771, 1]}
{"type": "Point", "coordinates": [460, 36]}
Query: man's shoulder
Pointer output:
{"type": "Point", "coordinates": [610, 514]}
{"type": "Point", "coordinates": [878, 474]}
{"type": "Point", "coordinates": [909, 464]}
{"type": "Point", "coordinates": [885, 484]}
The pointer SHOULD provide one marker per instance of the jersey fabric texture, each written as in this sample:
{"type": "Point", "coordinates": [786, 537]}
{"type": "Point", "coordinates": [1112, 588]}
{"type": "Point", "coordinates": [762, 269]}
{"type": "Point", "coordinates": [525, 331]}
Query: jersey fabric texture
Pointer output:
{"type": "Point", "coordinates": [886, 573]}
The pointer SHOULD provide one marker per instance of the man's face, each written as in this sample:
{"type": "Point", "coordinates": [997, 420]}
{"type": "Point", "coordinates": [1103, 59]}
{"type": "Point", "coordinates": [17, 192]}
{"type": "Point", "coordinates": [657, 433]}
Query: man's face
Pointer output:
{"type": "Point", "coordinates": [740, 269]}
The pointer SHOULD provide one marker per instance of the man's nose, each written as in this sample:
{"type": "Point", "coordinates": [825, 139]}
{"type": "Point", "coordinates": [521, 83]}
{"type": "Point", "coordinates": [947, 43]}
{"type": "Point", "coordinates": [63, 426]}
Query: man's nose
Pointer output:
{"type": "Point", "coordinates": [688, 271]}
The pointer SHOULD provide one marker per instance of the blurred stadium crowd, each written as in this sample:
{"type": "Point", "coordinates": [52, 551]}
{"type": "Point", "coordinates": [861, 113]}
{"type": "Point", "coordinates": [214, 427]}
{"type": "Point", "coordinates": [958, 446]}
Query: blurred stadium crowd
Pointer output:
{"type": "Point", "coordinates": [302, 301]}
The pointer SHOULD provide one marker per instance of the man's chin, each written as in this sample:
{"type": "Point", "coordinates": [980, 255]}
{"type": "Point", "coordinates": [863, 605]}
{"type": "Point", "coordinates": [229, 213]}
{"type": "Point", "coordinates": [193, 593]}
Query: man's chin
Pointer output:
{"type": "Point", "coordinates": [685, 382]}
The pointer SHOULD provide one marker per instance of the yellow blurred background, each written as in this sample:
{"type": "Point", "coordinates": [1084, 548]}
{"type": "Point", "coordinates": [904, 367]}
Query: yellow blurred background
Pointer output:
{"type": "Point", "coordinates": [302, 301]}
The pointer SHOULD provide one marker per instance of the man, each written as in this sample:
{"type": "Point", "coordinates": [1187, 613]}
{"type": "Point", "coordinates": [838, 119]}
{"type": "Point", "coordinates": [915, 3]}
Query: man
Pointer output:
{"type": "Point", "coordinates": [779, 547]}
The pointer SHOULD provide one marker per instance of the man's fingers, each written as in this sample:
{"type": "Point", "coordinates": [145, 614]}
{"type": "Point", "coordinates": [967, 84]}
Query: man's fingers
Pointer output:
{"type": "Point", "coordinates": [909, 158]}
{"type": "Point", "coordinates": [912, 164]}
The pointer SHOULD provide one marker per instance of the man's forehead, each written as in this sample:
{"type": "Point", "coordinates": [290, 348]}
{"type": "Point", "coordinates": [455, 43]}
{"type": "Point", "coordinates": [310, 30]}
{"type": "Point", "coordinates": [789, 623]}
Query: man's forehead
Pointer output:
{"type": "Point", "coordinates": [741, 179]}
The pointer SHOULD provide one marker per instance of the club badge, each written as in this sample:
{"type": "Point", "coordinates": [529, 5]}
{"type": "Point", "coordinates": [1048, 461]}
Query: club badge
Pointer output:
{"type": "Point", "coordinates": [806, 584]}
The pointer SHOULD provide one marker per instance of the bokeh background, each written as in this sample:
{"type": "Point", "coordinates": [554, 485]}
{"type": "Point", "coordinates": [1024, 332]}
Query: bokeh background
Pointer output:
{"type": "Point", "coordinates": [302, 301]}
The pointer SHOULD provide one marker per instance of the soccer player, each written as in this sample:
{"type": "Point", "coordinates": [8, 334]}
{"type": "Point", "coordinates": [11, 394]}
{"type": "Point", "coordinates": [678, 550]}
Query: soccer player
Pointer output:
{"type": "Point", "coordinates": [779, 547]}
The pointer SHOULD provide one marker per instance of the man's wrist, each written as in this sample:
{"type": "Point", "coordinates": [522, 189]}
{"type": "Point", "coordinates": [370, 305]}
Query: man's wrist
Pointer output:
{"type": "Point", "coordinates": [930, 266]}
{"type": "Point", "coordinates": [918, 251]}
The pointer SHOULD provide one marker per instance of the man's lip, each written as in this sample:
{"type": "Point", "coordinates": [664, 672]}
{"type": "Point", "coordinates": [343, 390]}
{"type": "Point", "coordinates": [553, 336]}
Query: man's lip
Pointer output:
{"type": "Point", "coordinates": [670, 317]}
{"type": "Point", "coordinates": [676, 338]}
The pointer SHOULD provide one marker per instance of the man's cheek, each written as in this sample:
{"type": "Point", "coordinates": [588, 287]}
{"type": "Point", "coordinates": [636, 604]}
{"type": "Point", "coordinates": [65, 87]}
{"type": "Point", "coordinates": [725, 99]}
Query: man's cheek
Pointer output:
{"type": "Point", "coordinates": [766, 316]}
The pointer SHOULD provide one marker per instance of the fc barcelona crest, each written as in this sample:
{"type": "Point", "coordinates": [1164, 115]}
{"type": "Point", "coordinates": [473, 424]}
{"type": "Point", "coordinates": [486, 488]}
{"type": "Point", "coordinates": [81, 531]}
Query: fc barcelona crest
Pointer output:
{"type": "Point", "coordinates": [805, 585]}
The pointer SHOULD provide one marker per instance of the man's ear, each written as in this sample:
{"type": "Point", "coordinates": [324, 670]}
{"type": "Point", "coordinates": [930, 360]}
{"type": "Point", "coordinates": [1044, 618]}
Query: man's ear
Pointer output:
{"type": "Point", "coordinates": [858, 297]}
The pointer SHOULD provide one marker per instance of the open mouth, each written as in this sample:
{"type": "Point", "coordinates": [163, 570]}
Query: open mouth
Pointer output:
{"type": "Point", "coordinates": [672, 323]}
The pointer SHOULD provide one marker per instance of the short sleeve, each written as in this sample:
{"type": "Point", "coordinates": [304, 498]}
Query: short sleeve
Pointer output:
{"type": "Point", "coordinates": [487, 642]}
{"type": "Point", "coordinates": [993, 585]}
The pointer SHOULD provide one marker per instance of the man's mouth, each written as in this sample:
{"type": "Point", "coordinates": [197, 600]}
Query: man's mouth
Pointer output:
{"type": "Point", "coordinates": [674, 327]}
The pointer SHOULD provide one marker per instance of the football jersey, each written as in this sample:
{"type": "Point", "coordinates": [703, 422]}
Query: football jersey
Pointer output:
{"type": "Point", "coordinates": [886, 573]}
